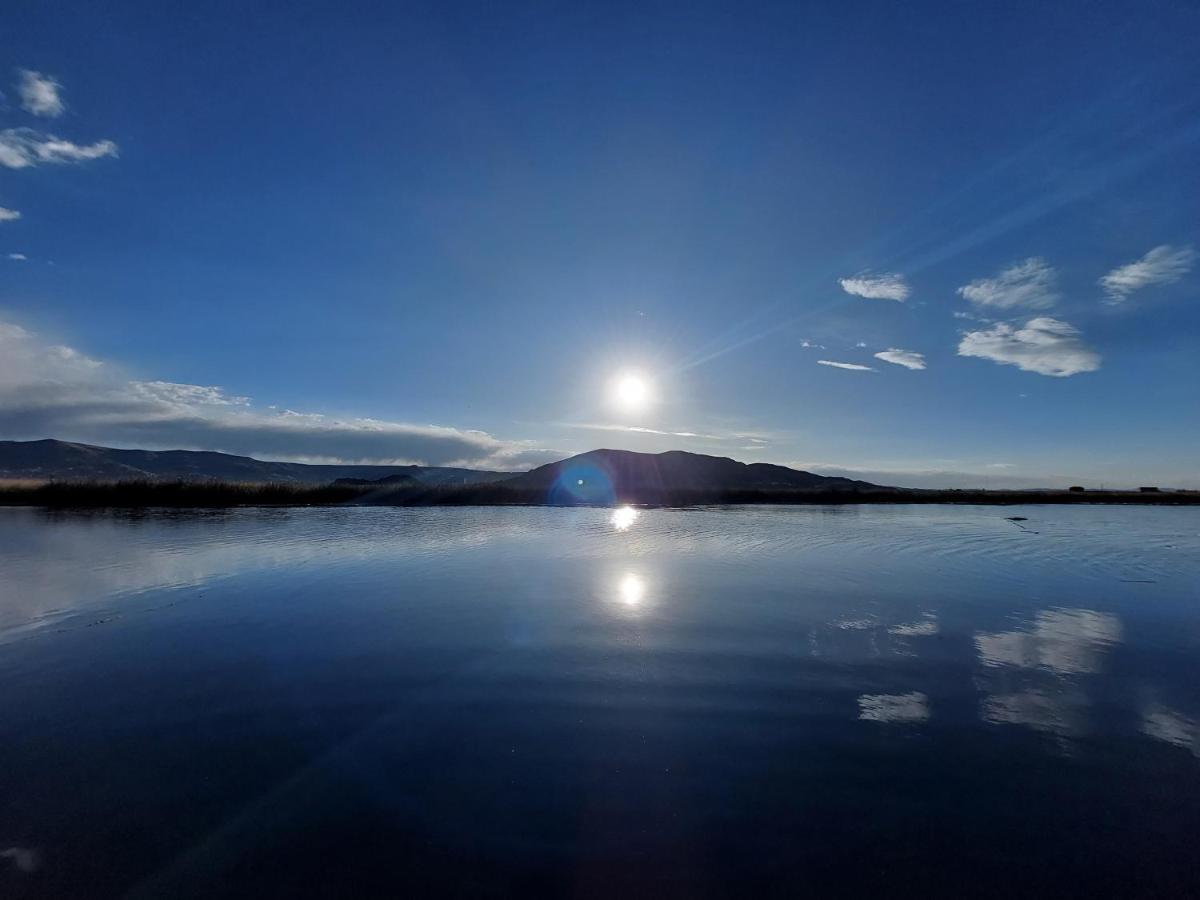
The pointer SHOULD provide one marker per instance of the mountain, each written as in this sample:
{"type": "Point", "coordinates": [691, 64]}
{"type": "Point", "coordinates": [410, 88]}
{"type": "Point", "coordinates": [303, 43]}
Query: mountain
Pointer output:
{"type": "Point", "coordinates": [65, 461]}
{"type": "Point", "coordinates": [605, 476]}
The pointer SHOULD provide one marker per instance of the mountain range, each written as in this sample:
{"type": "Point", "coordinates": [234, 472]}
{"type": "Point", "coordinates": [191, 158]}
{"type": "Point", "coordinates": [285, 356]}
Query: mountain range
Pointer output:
{"type": "Point", "coordinates": [598, 476]}
{"type": "Point", "coordinates": [51, 460]}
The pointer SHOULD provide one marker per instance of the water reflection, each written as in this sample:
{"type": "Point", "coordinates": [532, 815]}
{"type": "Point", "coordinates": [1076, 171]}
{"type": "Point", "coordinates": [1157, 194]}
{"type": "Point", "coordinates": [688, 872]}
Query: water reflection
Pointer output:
{"type": "Point", "coordinates": [1041, 688]}
{"type": "Point", "coordinates": [624, 516]}
{"type": "Point", "coordinates": [773, 667]}
{"type": "Point", "coordinates": [1163, 723]}
{"type": "Point", "coordinates": [899, 709]}
{"type": "Point", "coordinates": [1065, 641]}
{"type": "Point", "coordinates": [631, 589]}
{"type": "Point", "coordinates": [1056, 712]}
{"type": "Point", "coordinates": [926, 626]}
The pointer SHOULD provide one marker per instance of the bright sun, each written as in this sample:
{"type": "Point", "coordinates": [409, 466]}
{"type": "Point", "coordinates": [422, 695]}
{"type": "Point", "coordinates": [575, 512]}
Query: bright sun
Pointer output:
{"type": "Point", "coordinates": [630, 393]}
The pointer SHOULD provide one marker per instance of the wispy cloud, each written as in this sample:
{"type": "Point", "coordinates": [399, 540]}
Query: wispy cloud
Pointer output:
{"type": "Point", "coordinates": [8, 215]}
{"type": "Point", "coordinates": [1029, 284]}
{"type": "Point", "coordinates": [1162, 265]}
{"type": "Point", "coordinates": [639, 429]}
{"type": "Point", "coordinates": [811, 345]}
{"type": "Point", "coordinates": [877, 287]}
{"type": "Point", "coordinates": [49, 390]}
{"type": "Point", "coordinates": [40, 94]}
{"type": "Point", "coordinates": [910, 359]}
{"type": "Point", "coordinates": [1044, 345]}
{"type": "Point", "coordinates": [21, 148]}
{"type": "Point", "coordinates": [18, 257]}
{"type": "Point", "coordinates": [853, 367]}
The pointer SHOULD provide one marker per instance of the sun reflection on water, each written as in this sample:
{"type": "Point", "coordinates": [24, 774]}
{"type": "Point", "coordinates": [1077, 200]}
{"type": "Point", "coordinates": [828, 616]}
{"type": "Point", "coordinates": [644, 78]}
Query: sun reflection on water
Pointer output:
{"type": "Point", "coordinates": [632, 589]}
{"type": "Point", "coordinates": [623, 517]}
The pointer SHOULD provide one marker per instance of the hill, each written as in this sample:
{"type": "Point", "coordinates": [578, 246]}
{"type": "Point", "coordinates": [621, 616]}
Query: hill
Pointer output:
{"type": "Point", "coordinates": [52, 460]}
{"type": "Point", "coordinates": [607, 476]}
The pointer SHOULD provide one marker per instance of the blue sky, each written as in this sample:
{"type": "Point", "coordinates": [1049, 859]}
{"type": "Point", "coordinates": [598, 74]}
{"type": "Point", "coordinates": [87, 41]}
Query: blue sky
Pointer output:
{"type": "Point", "coordinates": [438, 232]}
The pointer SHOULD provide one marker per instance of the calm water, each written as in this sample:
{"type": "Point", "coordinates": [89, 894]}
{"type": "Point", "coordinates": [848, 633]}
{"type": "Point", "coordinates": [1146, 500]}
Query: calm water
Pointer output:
{"type": "Point", "coordinates": [931, 701]}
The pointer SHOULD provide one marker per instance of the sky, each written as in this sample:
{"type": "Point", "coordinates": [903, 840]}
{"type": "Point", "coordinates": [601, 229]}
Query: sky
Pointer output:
{"type": "Point", "coordinates": [925, 244]}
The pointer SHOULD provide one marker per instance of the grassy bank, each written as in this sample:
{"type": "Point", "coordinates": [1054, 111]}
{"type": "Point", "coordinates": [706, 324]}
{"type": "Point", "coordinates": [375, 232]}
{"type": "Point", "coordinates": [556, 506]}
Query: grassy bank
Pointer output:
{"type": "Point", "coordinates": [221, 494]}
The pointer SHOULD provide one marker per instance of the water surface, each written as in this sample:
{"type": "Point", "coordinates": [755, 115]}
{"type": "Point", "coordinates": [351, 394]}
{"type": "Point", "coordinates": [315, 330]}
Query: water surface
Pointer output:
{"type": "Point", "coordinates": [931, 701]}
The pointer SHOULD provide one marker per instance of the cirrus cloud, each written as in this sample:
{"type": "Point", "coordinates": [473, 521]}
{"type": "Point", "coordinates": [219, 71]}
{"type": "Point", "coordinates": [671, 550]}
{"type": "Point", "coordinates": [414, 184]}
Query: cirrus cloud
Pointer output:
{"type": "Point", "coordinates": [852, 367]}
{"type": "Point", "coordinates": [1029, 284]}
{"type": "Point", "coordinates": [1043, 345]}
{"type": "Point", "coordinates": [1162, 265]}
{"type": "Point", "coordinates": [877, 287]}
{"type": "Point", "coordinates": [910, 359]}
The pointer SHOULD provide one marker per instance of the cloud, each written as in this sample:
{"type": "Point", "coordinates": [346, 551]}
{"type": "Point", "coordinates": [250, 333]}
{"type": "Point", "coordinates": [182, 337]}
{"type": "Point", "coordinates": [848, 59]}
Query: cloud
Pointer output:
{"type": "Point", "coordinates": [876, 287]}
{"type": "Point", "coordinates": [1046, 346]}
{"type": "Point", "coordinates": [1162, 265]}
{"type": "Point", "coordinates": [910, 359]}
{"type": "Point", "coordinates": [809, 345]}
{"type": "Point", "coordinates": [49, 390]}
{"type": "Point", "coordinates": [640, 429]}
{"type": "Point", "coordinates": [19, 257]}
{"type": "Point", "coordinates": [39, 94]}
{"type": "Point", "coordinates": [1029, 284]}
{"type": "Point", "coordinates": [853, 367]}
{"type": "Point", "coordinates": [8, 215]}
{"type": "Point", "coordinates": [21, 148]}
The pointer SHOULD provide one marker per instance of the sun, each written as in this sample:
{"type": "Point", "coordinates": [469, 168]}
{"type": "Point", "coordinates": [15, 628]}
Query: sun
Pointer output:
{"type": "Point", "coordinates": [631, 393]}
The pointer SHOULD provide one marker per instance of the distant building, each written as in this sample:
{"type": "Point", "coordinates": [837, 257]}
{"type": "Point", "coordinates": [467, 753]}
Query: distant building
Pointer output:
{"type": "Point", "coordinates": [1148, 490]}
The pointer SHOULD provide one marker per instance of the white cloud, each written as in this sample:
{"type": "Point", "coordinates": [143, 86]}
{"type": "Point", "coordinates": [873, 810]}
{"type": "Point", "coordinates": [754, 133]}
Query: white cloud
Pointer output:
{"type": "Point", "coordinates": [8, 215]}
{"type": "Point", "coordinates": [876, 287]}
{"type": "Point", "coordinates": [909, 708]}
{"type": "Point", "coordinates": [910, 359]}
{"type": "Point", "coordinates": [853, 367]}
{"type": "Point", "coordinates": [1162, 265]}
{"type": "Point", "coordinates": [49, 390]}
{"type": "Point", "coordinates": [1029, 284]}
{"type": "Point", "coordinates": [861, 345]}
{"type": "Point", "coordinates": [40, 94]}
{"type": "Point", "coordinates": [1044, 345]}
{"type": "Point", "coordinates": [19, 257]}
{"type": "Point", "coordinates": [21, 148]}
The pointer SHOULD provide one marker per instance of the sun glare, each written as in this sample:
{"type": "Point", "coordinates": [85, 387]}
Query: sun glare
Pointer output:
{"type": "Point", "coordinates": [631, 393]}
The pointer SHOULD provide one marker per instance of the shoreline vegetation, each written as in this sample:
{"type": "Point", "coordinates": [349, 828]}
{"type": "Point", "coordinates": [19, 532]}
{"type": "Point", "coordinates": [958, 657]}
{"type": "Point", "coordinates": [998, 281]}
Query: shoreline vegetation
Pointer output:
{"type": "Point", "coordinates": [215, 494]}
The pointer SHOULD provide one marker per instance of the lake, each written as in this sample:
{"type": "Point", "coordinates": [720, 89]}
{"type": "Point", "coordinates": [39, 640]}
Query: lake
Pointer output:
{"type": "Point", "coordinates": [830, 701]}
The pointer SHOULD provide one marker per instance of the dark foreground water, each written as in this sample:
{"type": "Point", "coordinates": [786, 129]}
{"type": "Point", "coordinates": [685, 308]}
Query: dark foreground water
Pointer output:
{"type": "Point", "coordinates": [926, 701]}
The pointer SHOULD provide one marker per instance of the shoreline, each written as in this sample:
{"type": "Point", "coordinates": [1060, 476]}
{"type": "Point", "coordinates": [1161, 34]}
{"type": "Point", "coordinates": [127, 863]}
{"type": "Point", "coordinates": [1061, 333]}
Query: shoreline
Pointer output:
{"type": "Point", "coordinates": [221, 495]}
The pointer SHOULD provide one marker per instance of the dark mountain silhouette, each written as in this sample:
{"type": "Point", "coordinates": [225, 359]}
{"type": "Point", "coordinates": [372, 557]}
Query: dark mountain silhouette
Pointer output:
{"type": "Point", "coordinates": [382, 482]}
{"type": "Point", "coordinates": [65, 461]}
{"type": "Point", "coordinates": [605, 476]}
